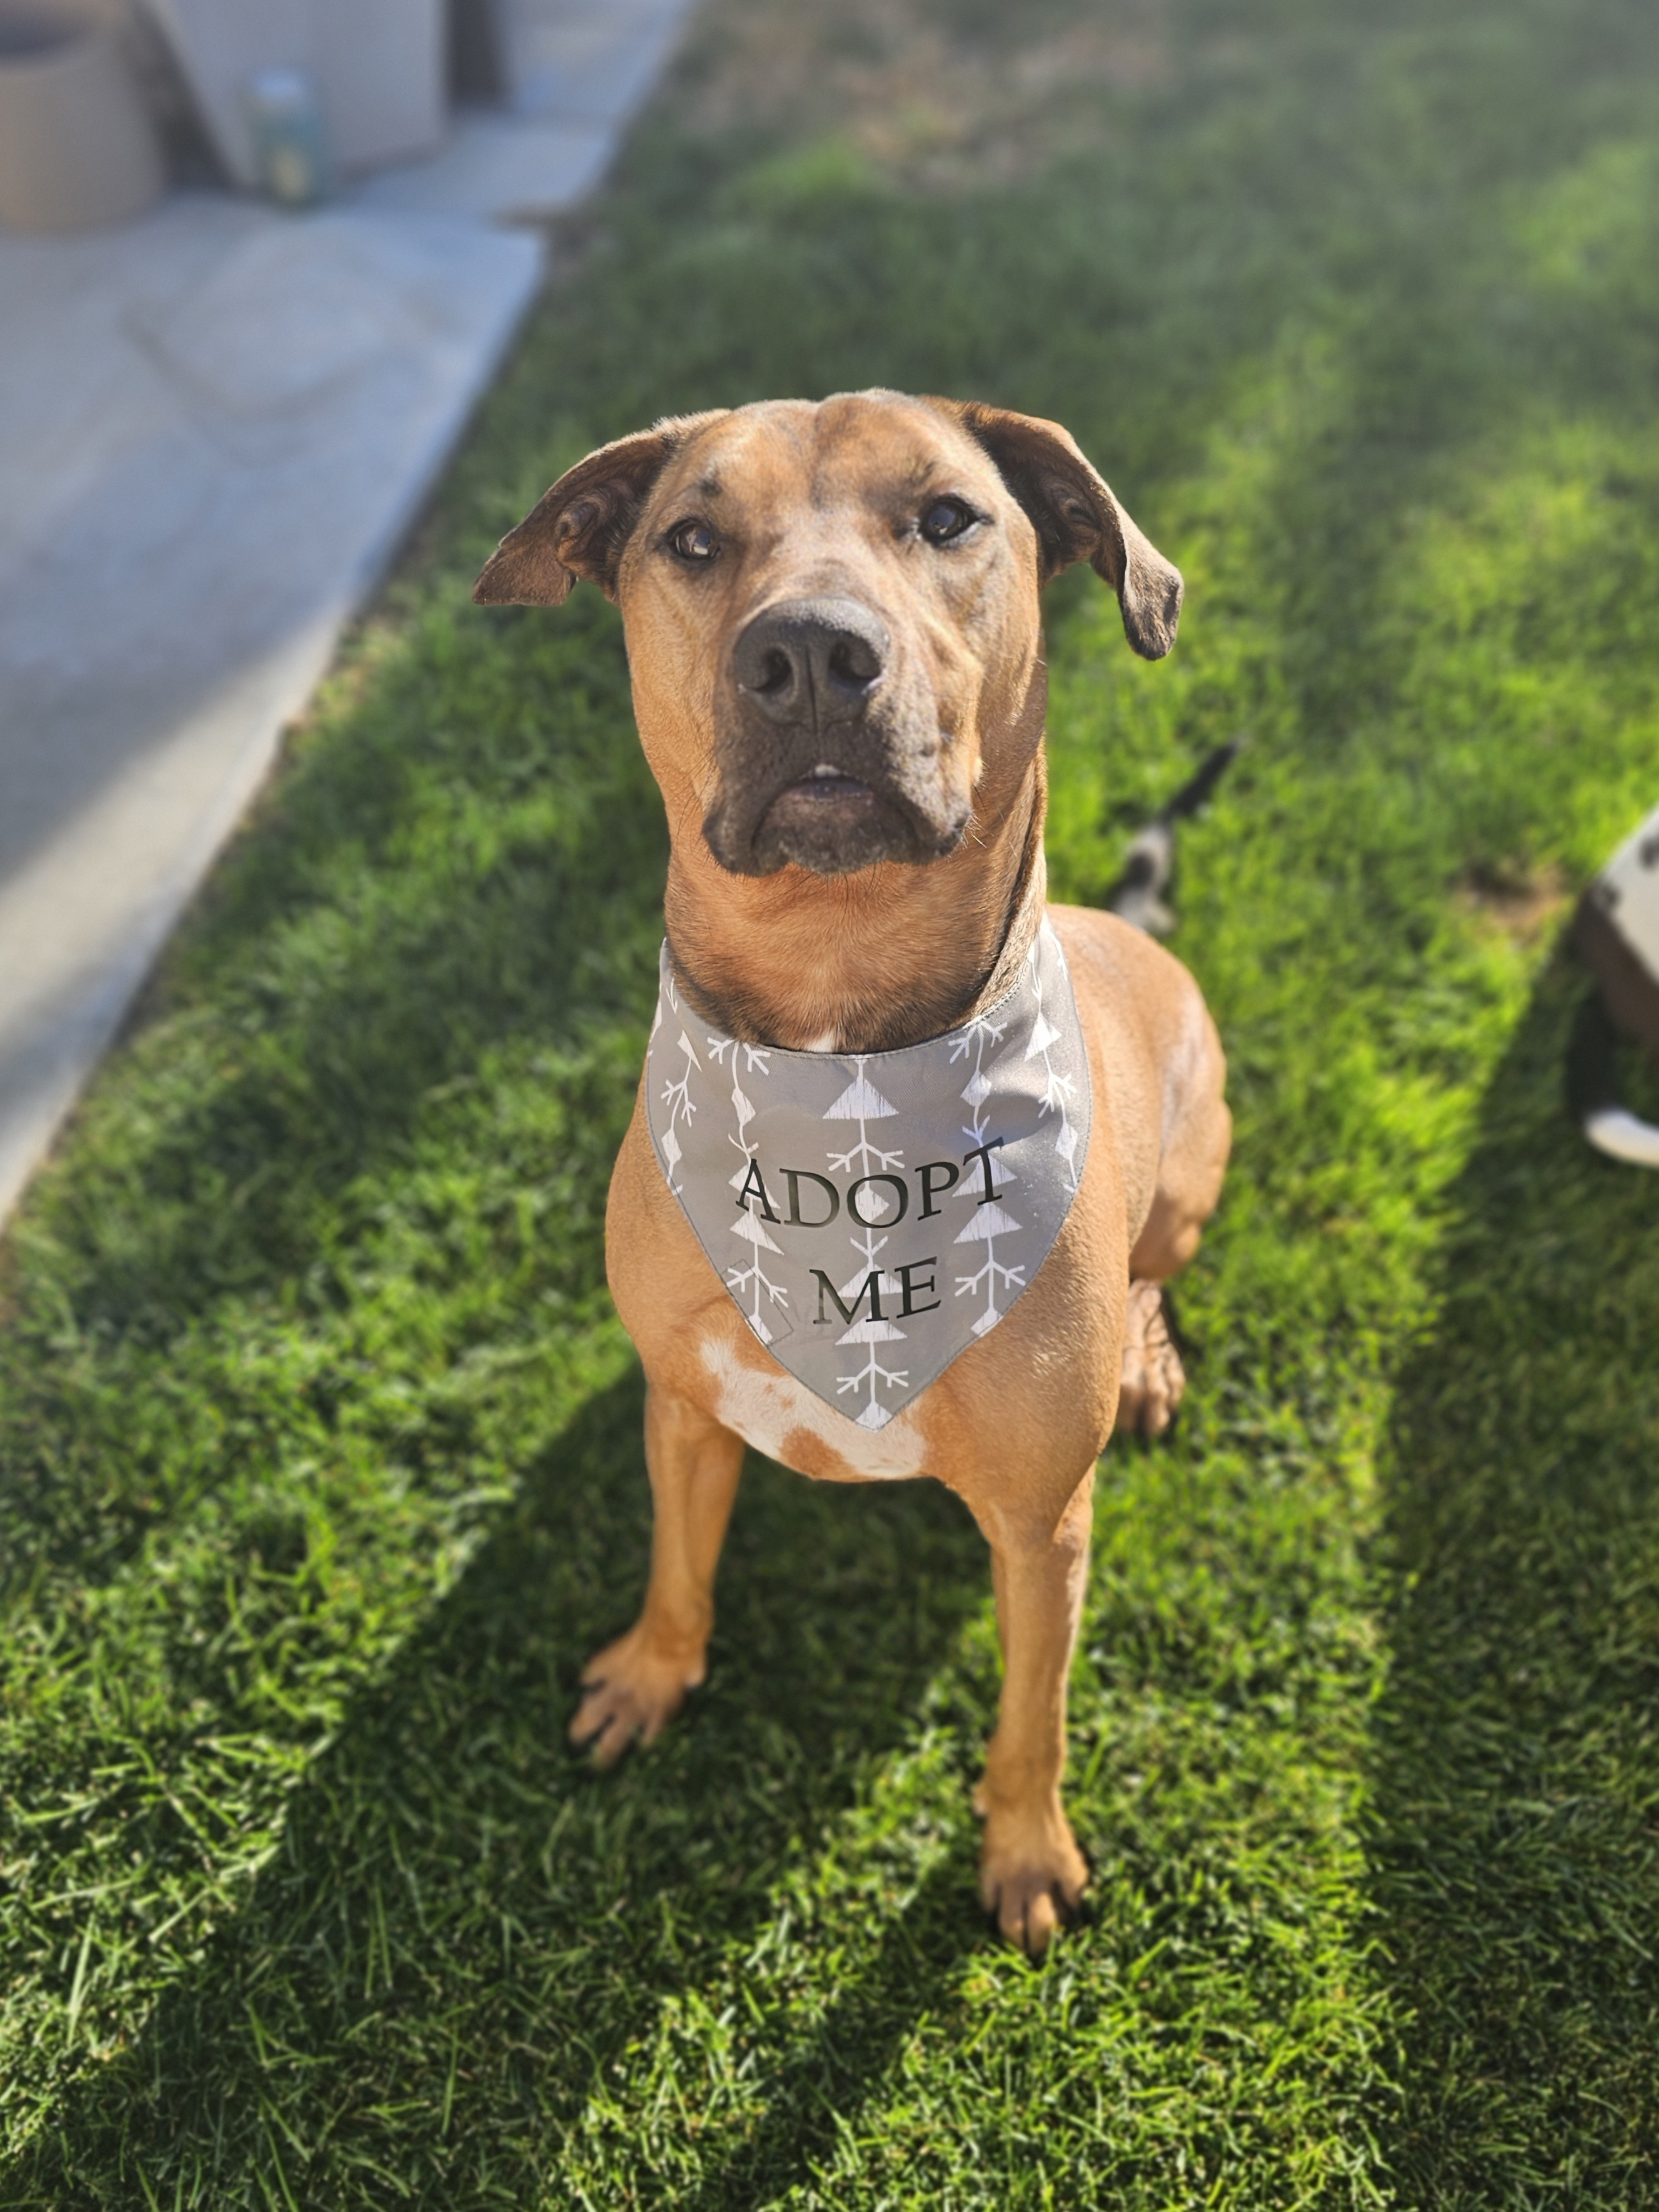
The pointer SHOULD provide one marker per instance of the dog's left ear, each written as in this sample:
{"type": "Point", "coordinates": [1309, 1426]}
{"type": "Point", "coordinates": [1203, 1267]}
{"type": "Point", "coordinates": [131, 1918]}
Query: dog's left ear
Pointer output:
{"type": "Point", "coordinates": [1076, 518]}
{"type": "Point", "coordinates": [580, 525]}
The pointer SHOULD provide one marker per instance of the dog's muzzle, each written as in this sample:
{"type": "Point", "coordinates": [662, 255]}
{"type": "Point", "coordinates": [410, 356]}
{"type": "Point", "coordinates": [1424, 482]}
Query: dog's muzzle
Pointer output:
{"type": "Point", "coordinates": [825, 761]}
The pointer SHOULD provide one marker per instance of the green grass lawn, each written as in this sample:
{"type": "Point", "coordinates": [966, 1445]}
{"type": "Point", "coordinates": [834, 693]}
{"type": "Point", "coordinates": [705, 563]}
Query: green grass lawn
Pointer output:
{"type": "Point", "coordinates": [319, 1460]}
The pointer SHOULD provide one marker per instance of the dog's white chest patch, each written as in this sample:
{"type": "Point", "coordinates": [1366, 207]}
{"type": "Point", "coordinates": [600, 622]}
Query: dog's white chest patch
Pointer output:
{"type": "Point", "coordinates": [767, 1410]}
{"type": "Point", "coordinates": [872, 1214]}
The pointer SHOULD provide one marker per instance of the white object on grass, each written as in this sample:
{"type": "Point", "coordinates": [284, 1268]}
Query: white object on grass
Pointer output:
{"type": "Point", "coordinates": [1627, 892]}
{"type": "Point", "coordinates": [1618, 1133]}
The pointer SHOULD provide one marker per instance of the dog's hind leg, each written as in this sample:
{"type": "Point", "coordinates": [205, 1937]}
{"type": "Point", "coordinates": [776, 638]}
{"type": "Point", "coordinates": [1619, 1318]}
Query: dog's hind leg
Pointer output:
{"type": "Point", "coordinates": [1198, 1132]}
{"type": "Point", "coordinates": [636, 1685]}
{"type": "Point", "coordinates": [1031, 1873]}
{"type": "Point", "coordinates": [1154, 1381]}
{"type": "Point", "coordinates": [1198, 1138]}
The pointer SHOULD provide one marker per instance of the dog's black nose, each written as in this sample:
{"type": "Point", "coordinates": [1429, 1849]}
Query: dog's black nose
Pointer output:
{"type": "Point", "coordinates": [816, 660]}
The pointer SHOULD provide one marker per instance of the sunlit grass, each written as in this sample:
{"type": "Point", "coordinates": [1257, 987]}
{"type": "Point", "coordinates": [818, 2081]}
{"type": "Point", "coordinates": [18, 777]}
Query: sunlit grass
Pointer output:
{"type": "Point", "coordinates": [320, 1443]}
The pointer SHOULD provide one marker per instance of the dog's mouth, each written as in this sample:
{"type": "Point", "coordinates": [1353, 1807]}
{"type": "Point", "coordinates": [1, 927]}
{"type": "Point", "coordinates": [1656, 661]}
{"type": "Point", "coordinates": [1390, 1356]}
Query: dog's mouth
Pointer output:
{"type": "Point", "coordinates": [827, 800]}
{"type": "Point", "coordinates": [830, 821]}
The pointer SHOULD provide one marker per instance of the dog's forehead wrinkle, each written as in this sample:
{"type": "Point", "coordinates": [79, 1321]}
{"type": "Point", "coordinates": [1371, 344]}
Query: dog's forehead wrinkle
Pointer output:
{"type": "Point", "coordinates": [894, 459]}
{"type": "Point", "coordinates": [926, 472]}
{"type": "Point", "coordinates": [751, 443]}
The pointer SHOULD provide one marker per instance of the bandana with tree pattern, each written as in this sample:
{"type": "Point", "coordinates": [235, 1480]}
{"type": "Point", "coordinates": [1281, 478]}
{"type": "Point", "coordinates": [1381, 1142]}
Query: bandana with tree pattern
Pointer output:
{"type": "Point", "coordinates": [872, 1214]}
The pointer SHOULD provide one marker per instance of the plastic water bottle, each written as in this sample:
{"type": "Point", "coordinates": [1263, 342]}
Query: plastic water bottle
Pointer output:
{"type": "Point", "coordinates": [290, 134]}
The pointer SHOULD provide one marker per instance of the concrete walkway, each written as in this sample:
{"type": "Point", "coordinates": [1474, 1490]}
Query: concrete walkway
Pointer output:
{"type": "Point", "coordinates": [216, 427]}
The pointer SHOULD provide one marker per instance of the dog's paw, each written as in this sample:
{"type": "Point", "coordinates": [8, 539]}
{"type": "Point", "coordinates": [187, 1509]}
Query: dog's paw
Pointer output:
{"type": "Point", "coordinates": [630, 1692]}
{"type": "Point", "coordinates": [1031, 1873]}
{"type": "Point", "coordinates": [1154, 1379]}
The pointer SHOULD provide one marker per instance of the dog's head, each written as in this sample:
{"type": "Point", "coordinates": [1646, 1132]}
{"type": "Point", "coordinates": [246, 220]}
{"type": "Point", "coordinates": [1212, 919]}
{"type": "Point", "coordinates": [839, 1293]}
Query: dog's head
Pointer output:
{"type": "Point", "coordinates": [831, 611]}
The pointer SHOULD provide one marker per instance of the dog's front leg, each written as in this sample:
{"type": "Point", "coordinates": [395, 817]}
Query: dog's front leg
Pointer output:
{"type": "Point", "coordinates": [636, 1685]}
{"type": "Point", "coordinates": [1031, 1872]}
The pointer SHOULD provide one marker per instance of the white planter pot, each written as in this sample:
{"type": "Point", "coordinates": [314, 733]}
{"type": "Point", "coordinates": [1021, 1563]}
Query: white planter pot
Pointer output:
{"type": "Point", "coordinates": [76, 147]}
{"type": "Point", "coordinates": [378, 65]}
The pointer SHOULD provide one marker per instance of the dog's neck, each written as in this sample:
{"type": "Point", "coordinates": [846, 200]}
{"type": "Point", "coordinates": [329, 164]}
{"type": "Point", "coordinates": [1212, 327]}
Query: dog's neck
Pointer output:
{"type": "Point", "coordinates": [865, 963]}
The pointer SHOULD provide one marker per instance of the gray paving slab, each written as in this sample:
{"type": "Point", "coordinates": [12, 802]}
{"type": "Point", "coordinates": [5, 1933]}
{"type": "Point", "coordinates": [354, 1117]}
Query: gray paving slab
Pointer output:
{"type": "Point", "coordinates": [577, 60]}
{"type": "Point", "coordinates": [577, 71]}
{"type": "Point", "coordinates": [215, 426]}
{"type": "Point", "coordinates": [501, 167]}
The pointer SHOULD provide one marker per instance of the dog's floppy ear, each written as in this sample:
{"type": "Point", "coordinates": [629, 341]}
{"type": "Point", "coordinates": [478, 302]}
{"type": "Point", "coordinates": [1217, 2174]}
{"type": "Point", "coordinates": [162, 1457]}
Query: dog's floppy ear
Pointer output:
{"type": "Point", "coordinates": [1076, 518]}
{"type": "Point", "coordinates": [579, 526]}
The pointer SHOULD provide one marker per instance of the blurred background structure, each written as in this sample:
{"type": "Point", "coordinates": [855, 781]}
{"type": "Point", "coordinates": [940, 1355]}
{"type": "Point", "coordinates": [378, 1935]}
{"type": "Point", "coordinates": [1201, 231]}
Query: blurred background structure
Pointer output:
{"type": "Point", "coordinates": [218, 416]}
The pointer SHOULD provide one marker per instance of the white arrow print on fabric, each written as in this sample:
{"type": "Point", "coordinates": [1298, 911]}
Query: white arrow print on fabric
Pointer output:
{"type": "Point", "coordinates": [870, 1332]}
{"type": "Point", "coordinates": [681, 1105]}
{"type": "Point", "coordinates": [977, 1089]}
{"type": "Point", "coordinates": [1044, 1037]}
{"type": "Point", "coordinates": [754, 1280]}
{"type": "Point", "coordinates": [862, 1102]}
{"type": "Point", "coordinates": [987, 1223]}
{"type": "Point", "coordinates": [989, 1220]}
{"type": "Point", "coordinates": [770, 1323]}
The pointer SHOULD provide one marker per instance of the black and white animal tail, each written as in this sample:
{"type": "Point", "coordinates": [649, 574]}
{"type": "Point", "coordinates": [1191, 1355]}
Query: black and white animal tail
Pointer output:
{"type": "Point", "coordinates": [1138, 894]}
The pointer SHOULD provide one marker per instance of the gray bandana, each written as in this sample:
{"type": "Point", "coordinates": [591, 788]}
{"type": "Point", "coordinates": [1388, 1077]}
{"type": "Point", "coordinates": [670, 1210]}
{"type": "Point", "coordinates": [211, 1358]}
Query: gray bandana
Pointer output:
{"type": "Point", "coordinates": [871, 1214]}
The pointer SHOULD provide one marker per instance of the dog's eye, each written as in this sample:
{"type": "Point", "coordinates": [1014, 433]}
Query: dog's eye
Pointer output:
{"type": "Point", "coordinates": [946, 518]}
{"type": "Point", "coordinates": [693, 540]}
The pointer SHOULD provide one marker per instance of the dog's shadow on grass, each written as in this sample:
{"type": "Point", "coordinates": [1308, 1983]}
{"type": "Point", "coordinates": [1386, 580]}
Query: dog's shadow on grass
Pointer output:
{"type": "Point", "coordinates": [476, 1929]}
{"type": "Point", "coordinates": [1516, 1742]}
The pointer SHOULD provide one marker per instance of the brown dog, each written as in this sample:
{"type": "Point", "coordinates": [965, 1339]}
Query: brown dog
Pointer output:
{"type": "Point", "coordinates": [833, 629]}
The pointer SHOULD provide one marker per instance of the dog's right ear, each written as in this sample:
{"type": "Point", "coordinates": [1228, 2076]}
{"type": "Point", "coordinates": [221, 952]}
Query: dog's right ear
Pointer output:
{"type": "Point", "coordinates": [579, 526]}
